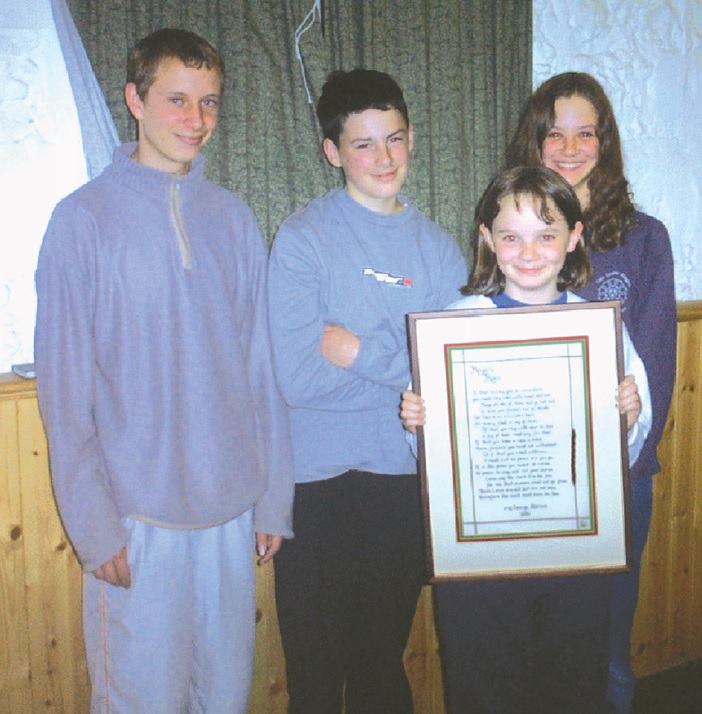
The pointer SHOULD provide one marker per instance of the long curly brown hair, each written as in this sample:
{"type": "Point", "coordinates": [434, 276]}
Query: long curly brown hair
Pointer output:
{"type": "Point", "coordinates": [611, 211]}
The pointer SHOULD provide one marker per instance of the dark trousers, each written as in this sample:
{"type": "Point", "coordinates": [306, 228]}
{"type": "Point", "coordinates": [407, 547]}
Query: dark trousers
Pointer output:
{"type": "Point", "coordinates": [347, 587]}
{"type": "Point", "coordinates": [525, 646]}
{"type": "Point", "coordinates": [625, 596]}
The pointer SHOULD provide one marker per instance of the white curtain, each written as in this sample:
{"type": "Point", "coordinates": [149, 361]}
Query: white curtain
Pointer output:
{"type": "Point", "coordinates": [97, 128]}
{"type": "Point", "coordinates": [55, 133]}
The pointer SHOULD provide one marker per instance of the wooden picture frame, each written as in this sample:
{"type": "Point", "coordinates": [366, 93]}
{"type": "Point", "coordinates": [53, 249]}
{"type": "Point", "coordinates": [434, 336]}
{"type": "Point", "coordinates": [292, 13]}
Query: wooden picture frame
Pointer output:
{"type": "Point", "coordinates": [523, 459]}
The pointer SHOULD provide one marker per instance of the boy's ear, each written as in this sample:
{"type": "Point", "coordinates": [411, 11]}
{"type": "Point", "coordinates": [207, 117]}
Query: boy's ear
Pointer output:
{"type": "Point", "coordinates": [486, 236]}
{"type": "Point", "coordinates": [133, 100]}
{"type": "Point", "coordinates": [575, 235]}
{"type": "Point", "coordinates": [331, 152]}
{"type": "Point", "coordinates": [410, 137]}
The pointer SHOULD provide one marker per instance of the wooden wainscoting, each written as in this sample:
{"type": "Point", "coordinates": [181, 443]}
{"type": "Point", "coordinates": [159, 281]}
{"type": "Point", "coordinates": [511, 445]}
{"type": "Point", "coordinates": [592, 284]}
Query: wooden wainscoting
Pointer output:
{"type": "Point", "coordinates": [668, 625]}
{"type": "Point", "coordinates": [42, 665]}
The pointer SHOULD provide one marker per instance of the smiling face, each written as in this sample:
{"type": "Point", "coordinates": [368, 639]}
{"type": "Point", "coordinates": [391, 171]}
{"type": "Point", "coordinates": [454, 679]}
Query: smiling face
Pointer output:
{"type": "Point", "coordinates": [177, 116]}
{"type": "Point", "coordinates": [571, 148]}
{"type": "Point", "coordinates": [374, 153]}
{"type": "Point", "coordinates": [529, 251]}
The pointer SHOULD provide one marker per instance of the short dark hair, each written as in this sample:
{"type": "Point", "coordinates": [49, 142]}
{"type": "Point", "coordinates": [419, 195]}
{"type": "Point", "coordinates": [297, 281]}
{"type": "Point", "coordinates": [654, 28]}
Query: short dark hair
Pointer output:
{"type": "Point", "coordinates": [355, 91]}
{"type": "Point", "coordinates": [546, 190]}
{"type": "Point", "coordinates": [191, 49]}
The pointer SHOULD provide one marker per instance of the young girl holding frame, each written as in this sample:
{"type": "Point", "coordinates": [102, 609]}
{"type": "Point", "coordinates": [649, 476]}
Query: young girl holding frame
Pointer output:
{"type": "Point", "coordinates": [518, 646]}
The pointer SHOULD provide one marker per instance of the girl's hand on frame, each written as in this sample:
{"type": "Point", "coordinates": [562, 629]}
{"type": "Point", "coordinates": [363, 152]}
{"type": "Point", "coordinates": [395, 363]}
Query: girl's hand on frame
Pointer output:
{"type": "Point", "coordinates": [628, 400]}
{"type": "Point", "coordinates": [412, 411]}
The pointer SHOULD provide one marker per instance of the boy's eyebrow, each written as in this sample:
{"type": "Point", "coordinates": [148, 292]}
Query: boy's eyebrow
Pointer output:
{"type": "Point", "coordinates": [370, 138]}
{"type": "Point", "coordinates": [180, 93]}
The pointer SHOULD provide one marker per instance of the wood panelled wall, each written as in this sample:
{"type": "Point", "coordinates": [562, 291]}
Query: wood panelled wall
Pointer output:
{"type": "Point", "coordinates": [668, 624]}
{"type": "Point", "coordinates": [42, 666]}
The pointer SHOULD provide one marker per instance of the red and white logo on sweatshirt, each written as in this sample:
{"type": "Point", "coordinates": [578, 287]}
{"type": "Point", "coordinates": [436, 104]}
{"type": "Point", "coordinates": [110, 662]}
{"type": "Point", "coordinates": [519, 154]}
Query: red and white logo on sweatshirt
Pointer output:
{"type": "Point", "coordinates": [387, 278]}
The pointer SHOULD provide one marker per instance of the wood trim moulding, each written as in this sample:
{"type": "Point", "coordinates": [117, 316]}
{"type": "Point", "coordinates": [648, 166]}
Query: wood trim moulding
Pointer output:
{"type": "Point", "coordinates": [689, 310]}
{"type": "Point", "coordinates": [14, 387]}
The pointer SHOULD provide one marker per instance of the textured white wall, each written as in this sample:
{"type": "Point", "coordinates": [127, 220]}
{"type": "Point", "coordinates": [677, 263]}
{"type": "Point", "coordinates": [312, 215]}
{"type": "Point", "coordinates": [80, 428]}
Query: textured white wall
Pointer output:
{"type": "Point", "coordinates": [648, 56]}
{"type": "Point", "coordinates": [40, 160]}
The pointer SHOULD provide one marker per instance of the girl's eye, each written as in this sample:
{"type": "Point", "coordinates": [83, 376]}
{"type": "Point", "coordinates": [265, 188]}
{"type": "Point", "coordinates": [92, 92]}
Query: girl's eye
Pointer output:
{"type": "Point", "coordinates": [509, 238]}
{"type": "Point", "coordinates": [553, 135]}
{"type": "Point", "coordinates": [548, 237]}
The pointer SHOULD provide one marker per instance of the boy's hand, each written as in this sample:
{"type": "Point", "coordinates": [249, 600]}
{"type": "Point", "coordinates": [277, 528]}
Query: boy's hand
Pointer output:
{"type": "Point", "coordinates": [116, 570]}
{"type": "Point", "coordinates": [267, 546]}
{"type": "Point", "coordinates": [412, 411]}
{"type": "Point", "coordinates": [339, 346]}
{"type": "Point", "coordinates": [628, 400]}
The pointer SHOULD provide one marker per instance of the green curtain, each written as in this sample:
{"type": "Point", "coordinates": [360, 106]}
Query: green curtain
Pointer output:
{"type": "Point", "coordinates": [464, 65]}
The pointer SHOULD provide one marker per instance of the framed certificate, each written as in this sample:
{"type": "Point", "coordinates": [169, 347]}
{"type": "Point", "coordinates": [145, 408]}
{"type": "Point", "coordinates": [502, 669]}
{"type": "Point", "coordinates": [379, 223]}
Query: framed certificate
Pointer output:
{"type": "Point", "coordinates": [523, 458]}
